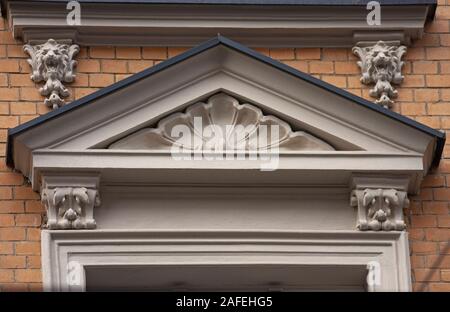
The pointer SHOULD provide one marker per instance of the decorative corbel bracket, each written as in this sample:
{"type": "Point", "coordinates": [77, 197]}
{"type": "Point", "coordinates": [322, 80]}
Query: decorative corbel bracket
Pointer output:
{"type": "Point", "coordinates": [53, 63]}
{"type": "Point", "coordinates": [380, 203]}
{"type": "Point", "coordinates": [381, 65]}
{"type": "Point", "coordinates": [70, 201]}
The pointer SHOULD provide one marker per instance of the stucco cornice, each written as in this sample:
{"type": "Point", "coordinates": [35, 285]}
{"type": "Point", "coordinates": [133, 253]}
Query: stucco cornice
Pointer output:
{"type": "Point", "coordinates": [300, 24]}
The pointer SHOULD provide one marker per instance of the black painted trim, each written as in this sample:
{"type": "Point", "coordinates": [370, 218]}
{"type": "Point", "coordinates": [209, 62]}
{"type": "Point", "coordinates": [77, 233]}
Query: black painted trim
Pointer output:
{"type": "Point", "coordinates": [259, 2]}
{"type": "Point", "coordinates": [440, 136]}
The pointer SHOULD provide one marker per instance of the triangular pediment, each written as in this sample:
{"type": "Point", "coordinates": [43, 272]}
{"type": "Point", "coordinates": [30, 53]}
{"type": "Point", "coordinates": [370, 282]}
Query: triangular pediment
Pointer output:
{"type": "Point", "coordinates": [229, 85]}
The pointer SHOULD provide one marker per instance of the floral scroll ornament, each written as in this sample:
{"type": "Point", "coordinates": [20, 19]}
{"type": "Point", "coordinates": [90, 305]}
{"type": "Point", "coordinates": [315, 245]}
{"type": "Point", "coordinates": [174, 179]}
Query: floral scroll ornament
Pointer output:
{"type": "Point", "coordinates": [381, 64]}
{"type": "Point", "coordinates": [53, 63]}
{"type": "Point", "coordinates": [70, 207]}
{"type": "Point", "coordinates": [380, 209]}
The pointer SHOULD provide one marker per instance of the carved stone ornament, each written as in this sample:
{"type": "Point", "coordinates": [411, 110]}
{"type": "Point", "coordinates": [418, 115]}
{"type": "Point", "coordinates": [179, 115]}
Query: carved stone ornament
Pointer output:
{"type": "Point", "coordinates": [225, 124]}
{"type": "Point", "coordinates": [70, 207]}
{"type": "Point", "coordinates": [53, 63]}
{"type": "Point", "coordinates": [380, 209]}
{"type": "Point", "coordinates": [381, 64]}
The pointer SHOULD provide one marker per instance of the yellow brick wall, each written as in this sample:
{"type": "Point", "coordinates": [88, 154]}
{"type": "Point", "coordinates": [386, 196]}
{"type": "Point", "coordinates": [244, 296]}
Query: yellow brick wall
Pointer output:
{"type": "Point", "coordinates": [424, 96]}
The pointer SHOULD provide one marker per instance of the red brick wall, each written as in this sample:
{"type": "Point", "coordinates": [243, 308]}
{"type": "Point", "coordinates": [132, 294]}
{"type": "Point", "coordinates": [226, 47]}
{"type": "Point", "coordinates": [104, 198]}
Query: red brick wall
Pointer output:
{"type": "Point", "coordinates": [424, 96]}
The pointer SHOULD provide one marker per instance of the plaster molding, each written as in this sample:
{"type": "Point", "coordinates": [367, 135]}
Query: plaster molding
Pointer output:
{"type": "Point", "coordinates": [53, 63]}
{"type": "Point", "coordinates": [70, 201]}
{"type": "Point", "coordinates": [222, 124]}
{"type": "Point", "coordinates": [381, 65]}
{"type": "Point", "coordinates": [379, 208]}
{"type": "Point", "coordinates": [102, 248]}
{"type": "Point", "coordinates": [186, 25]}
{"type": "Point", "coordinates": [319, 168]}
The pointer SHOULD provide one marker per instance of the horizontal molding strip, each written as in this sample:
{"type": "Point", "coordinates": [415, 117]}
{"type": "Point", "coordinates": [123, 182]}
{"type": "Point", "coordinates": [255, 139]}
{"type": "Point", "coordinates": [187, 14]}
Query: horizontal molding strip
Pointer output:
{"type": "Point", "coordinates": [189, 24]}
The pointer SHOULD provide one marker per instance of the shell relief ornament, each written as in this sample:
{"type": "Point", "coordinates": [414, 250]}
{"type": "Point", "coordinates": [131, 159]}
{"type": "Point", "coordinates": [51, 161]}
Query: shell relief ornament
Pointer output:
{"type": "Point", "coordinates": [222, 124]}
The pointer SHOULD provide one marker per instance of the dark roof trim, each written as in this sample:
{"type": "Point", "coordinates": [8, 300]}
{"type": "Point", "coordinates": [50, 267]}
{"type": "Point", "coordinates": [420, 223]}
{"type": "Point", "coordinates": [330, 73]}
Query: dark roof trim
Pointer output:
{"type": "Point", "coordinates": [440, 136]}
{"type": "Point", "coordinates": [260, 2]}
